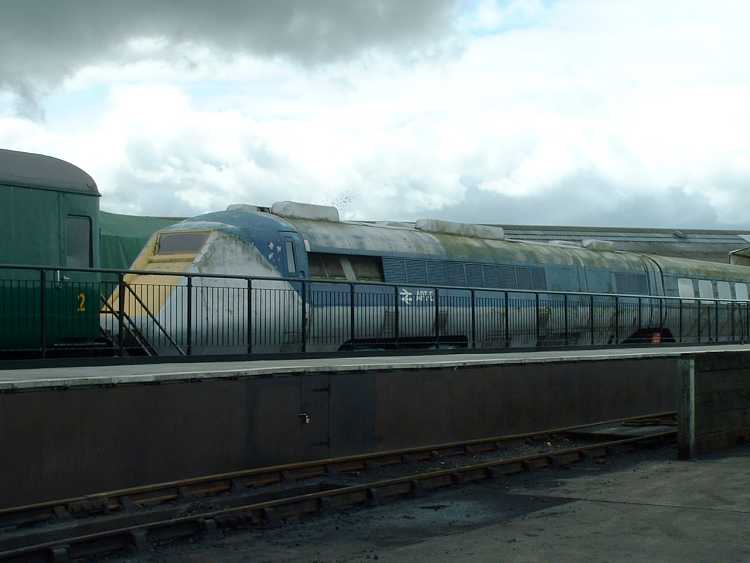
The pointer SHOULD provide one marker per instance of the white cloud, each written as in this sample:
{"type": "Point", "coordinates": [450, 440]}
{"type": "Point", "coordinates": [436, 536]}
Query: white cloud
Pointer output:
{"type": "Point", "coordinates": [607, 102]}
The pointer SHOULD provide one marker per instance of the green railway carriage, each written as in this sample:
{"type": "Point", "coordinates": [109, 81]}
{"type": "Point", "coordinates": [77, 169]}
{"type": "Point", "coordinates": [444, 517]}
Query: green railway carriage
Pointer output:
{"type": "Point", "coordinates": [49, 214]}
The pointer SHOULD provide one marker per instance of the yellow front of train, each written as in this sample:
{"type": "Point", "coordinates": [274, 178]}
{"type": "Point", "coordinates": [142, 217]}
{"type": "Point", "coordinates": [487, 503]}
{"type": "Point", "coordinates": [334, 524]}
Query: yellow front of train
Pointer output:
{"type": "Point", "coordinates": [151, 316]}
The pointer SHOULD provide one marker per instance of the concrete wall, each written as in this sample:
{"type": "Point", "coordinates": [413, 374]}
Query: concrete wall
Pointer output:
{"type": "Point", "coordinates": [65, 442]}
{"type": "Point", "coordinates": [714, 404]}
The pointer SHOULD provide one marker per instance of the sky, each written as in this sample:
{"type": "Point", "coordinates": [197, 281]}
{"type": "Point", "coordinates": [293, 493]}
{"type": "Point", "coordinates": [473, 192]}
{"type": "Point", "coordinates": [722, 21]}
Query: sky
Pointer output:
{"type": "Point", "coordinates": [564, 112]}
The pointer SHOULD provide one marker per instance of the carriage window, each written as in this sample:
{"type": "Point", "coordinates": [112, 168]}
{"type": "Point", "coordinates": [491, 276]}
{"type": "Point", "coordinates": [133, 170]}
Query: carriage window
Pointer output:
{"type": "Point", "coordinates": [705, 289]}
{"type": "Point", "coordinates": [725, 292]}
{"type": "Point", "coordinates": [740, 291]}
{"type": "Point", "coordinates": [367, 268]}
{"type": "Point", "coordinates": [181, 243]}
{"type": "Point", "coordinates": [685, 287]}
{"type": "Point", "coordinates": [78, 241]}
{"type": "Point", "coordinates": [326, 266]}
{"type": "Point", "coordinates": [290, 257]}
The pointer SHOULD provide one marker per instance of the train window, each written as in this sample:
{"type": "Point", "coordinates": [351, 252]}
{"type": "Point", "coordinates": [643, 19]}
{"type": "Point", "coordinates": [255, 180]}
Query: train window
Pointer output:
{"type": "Point", "coordinates": [181, 243]}
{"type": "Point", "coordinates": [725, 292]}
{"type": "Point", "coordinates": [367, 268]}
{"type": "Point", "coordinates": [599, 281]}
{"type": "Point", "coordinates": [631, 283]}
{"type": "Point", "coordinates": [326, 266]}
{"type": "Point", "coordinates": [78, 242]}
{"type": "Point", "coordinates": [291, 267]}
{"type": "Point", "coordinates": [562, 278]}
{"type": "Point", "coordinates": [705, 289]}
{"type": "Point", "coordinates": [685, 287]}
{"type": "Point", "coordinates": [740, 291]}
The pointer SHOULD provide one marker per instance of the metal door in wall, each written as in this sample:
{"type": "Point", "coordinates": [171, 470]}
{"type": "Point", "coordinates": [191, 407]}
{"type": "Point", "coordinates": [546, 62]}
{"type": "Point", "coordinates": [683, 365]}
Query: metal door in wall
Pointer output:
{"type": "Point", "coordinates": [314, 416]}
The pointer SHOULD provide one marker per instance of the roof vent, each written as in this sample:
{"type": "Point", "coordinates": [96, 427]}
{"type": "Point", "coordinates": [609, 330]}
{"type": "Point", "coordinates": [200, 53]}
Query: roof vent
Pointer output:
{"type": "Point", "coordinates": [247, 208]}
{"type": "Point", "coordinates": [598, 245]}
{"type": "Point", "coordinates": [295, 210]}
{"type": "Point", "coordinates": [565, 243]}
{"type": "Point", "coordinates": [460, 229]}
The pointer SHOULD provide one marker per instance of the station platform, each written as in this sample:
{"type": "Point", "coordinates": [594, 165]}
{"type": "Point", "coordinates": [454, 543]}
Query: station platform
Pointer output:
{"type": "Point", "coordinates": [81, 430]}
{"type": "Point", "coordinates": [183, 371]}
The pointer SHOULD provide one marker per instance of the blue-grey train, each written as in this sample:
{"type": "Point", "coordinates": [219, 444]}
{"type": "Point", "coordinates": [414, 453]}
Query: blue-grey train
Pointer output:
{"type": "Point", "coordinates": [392, 269]}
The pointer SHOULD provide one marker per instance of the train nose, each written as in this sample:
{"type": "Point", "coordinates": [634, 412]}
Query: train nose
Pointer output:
{"type": "Point", "coordinates": [171, 252]}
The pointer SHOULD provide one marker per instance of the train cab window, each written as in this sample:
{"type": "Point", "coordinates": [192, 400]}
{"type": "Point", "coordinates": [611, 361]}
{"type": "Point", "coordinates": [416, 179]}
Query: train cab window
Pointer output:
{"type": "Point", "coordinates": [181, 243]}
{"type": "Point", "coordinates": [78, 242]}
{"type": "Point", "coordinates": [724, 290]}
{"type": "Point", "coordinates": [290, 265]}
{"type": "Point", "coordinates": [706, 289]}
{"type": "Point", "coordinates": [685, 288]}
{"type": "Point", "coordinates": [740, 291]}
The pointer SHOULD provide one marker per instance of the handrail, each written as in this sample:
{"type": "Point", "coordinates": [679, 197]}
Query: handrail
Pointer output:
{"type": "Point", "coordinates": [153, 318]}
{"type": "Point", "coordinates": [366, 283]}
{"type": "Point", "coordinates": [132, 328]}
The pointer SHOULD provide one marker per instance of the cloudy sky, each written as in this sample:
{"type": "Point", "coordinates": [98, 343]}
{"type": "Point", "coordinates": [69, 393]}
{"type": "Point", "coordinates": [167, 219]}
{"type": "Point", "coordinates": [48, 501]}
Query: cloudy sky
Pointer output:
{"type": "Point", "coordinates": [598, 112]}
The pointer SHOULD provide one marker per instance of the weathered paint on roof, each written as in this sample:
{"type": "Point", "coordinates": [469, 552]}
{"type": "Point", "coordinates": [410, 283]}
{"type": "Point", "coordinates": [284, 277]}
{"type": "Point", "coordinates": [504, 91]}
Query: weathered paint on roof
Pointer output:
{"type": "Point", "coordinates": [29, 170]}
{"type": "Point", "coordinates": [404, 240]}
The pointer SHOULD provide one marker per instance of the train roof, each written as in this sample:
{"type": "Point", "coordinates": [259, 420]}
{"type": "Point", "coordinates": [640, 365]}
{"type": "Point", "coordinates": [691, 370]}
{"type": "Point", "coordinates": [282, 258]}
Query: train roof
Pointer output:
{"type": "Point", "coordinates": [712, 245]}
{"type": "Point", "coordinates": [30, 170]}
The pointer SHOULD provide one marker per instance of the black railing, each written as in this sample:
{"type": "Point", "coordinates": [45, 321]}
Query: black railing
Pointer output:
{"type": "Point", "coordinates": [111, 312]}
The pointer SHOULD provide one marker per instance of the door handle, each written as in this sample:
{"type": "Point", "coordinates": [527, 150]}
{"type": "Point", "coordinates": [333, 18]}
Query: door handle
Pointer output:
{"type": "Point", "coordinates": [304, 417]}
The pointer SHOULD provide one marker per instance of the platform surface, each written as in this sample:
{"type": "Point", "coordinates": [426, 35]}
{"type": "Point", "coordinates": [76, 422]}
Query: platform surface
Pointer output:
{"type": "Point", "coordinates": [639, 507]}
{"type": "Point", "coordinates": [54, 377]}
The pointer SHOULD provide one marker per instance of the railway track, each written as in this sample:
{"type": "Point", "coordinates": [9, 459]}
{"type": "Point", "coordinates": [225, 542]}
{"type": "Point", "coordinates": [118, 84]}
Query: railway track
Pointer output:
{"type": "Point", "coordinates": [100, 524]}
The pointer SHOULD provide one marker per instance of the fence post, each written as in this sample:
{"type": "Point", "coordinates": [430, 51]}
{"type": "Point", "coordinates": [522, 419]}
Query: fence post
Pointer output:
{"type": "Point", "coordinates": [42, 311]}
{"type": "Point", "coordinates": [700, 319]}
{"type": "Point", "coordinates": [507, 320]}
{"type": "Point", "coordinates": [591, 317]}
{"type": "Point", "coordinates": [397, 328]}
{"type": "Point", "coordinates": [640, 317]}
{"type": "Point", "coordinates": [679, 334]}
{"type": "Point", "coordinates": [536, 301]}
{"type": "Point", "coordinates": [565, 304]}
{"type": "Point", "coordinates": [249, 316]}
{"type": "Point", "coordinates": [351, 314]}
{"type": "Point", "coordinates": [661, 313]}
{"type": "Point", "coordinates": [437, 317]}
{"type": "Point", "coordinates": [617, 320]}
{"type": "Point", "coordinates": [472, 296]}
{"type": "Point", "coordinates": [189, 315]}
{"type": "Point", "coordinates": [716, 321]}
{"type": "Point", "coordinates": [121, 313]}
{"type": "Point", "coordinates": [304, 317]}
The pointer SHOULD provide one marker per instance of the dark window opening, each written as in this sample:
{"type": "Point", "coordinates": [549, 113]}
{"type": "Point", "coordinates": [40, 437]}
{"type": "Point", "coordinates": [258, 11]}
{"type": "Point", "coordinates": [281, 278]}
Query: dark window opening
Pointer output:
{"type": "Point", "coordinates": [181, 243]}
{"type": "Point", "coordinates": [326, 266]}
{"type": "Point", "coordinates": [331, 267]}
{"type": "Point", "coordinates": [78, 242]}
{"type": "Point", "coordinates": [367, 268]}
{"type": "Point", "coordinates": [631, 283]}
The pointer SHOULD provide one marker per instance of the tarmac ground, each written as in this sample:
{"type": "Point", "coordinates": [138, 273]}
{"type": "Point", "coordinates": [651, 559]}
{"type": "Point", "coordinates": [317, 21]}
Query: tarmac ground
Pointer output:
{"type": "Point", "coordinates": [643, 506]}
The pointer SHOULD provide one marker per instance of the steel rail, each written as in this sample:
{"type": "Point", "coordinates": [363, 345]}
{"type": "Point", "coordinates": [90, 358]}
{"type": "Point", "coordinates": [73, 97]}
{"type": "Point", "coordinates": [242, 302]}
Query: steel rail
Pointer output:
{"type": "Point", "coordinates": [275, 512]}
{"type": "Point", "coordinates": [208, 485]}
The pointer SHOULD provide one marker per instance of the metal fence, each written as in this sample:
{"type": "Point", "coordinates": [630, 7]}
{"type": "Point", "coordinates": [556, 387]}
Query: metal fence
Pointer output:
{"type": "Point", "coordinates": [61, 311]}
